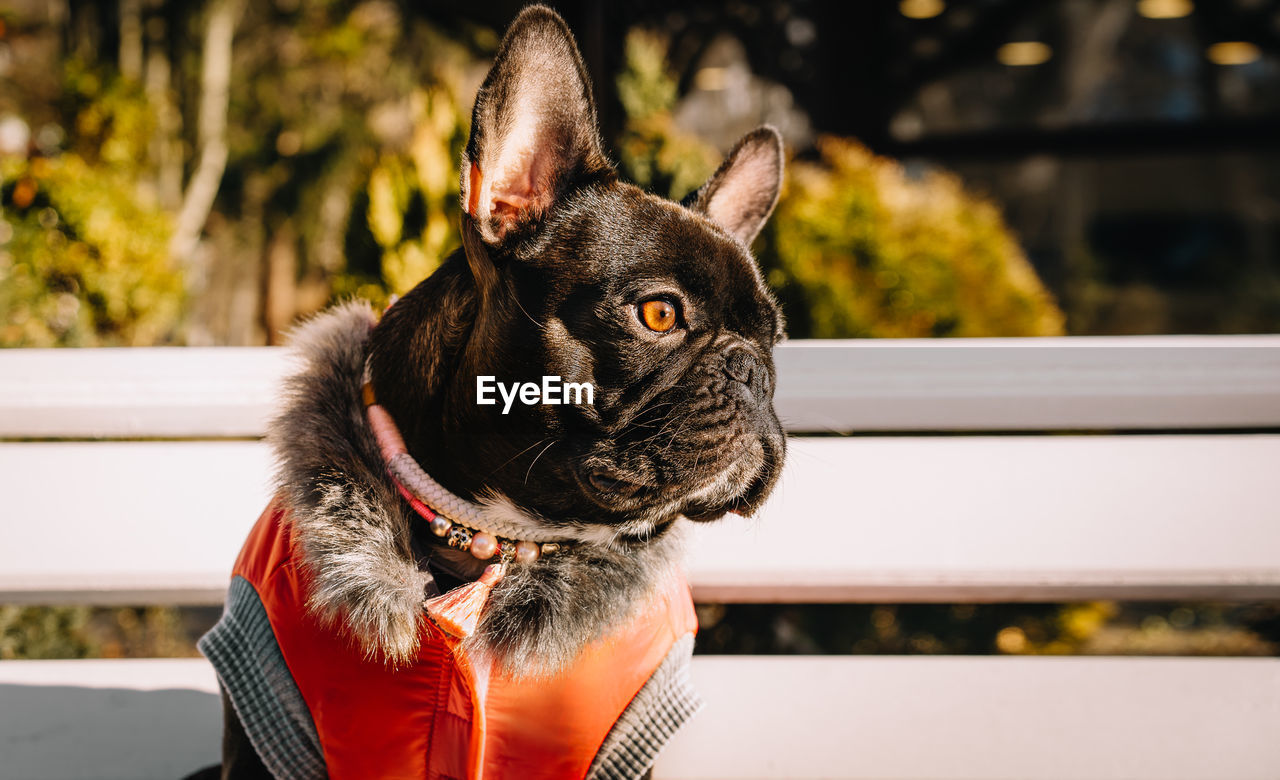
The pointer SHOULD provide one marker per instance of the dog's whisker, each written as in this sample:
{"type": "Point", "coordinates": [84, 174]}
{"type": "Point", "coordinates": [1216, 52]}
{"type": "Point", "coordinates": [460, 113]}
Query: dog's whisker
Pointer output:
{"type": "Point", "coordinates": [535, 459]}
{"type": "Point", "coordinates": [538, 325]}
{"type": "Point", "coordinates": [508, 461]}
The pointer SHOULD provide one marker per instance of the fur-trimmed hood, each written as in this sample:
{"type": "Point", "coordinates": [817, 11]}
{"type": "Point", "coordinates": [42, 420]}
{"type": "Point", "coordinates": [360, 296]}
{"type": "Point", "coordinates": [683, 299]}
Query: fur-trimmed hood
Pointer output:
{"type": "Point", "coordinates": [357, 536]}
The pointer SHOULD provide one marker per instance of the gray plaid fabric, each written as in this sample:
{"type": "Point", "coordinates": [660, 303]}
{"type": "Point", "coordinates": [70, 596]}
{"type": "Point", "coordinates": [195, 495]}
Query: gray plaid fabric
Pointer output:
{"type": "Point", "coordinates": [244, 651]}
{"type": "Point", "coordinates": [656, 713]}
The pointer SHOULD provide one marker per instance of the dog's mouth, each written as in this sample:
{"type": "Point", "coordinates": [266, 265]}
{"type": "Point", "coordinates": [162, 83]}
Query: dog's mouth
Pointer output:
{"type": "Point", "coordinates": [744, 505]}
{"type": "Point", "coordinates": [749, 500]}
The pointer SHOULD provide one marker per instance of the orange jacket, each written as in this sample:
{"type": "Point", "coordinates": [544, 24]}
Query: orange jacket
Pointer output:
{"type": "Point", "coordinates": [442, 716]}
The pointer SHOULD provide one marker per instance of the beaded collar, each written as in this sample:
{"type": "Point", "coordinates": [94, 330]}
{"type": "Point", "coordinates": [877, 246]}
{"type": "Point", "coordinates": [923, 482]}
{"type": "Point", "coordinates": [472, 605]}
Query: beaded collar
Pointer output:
{"type": "Point", "coordinates": [461, 523]}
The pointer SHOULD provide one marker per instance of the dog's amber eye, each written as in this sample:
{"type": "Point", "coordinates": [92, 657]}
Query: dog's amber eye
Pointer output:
{"type": "Point", "coordinates": [658, 315]}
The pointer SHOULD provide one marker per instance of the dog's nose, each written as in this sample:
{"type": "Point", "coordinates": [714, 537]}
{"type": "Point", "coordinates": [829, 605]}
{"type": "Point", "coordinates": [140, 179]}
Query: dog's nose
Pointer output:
{"type": "Point", "coordinates": [741, 365]}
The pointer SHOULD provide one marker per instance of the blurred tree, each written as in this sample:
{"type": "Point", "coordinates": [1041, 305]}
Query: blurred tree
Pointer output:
{"type": "Point", "coordinates": [322, 149]}
{"type": "Point", "coordinates": [343, 145]}
{"type": "Point", "coordinates": [411, 201]}
{"type": "Point", "coordinates": [82, 265]}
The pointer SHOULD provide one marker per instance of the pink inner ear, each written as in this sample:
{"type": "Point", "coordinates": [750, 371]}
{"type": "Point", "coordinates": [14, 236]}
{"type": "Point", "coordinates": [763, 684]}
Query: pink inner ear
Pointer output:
{"type": "Point", "coordinates": [473, 190]}
{"type": "Point", "coordinates": [747, 192]}
{"type": "Point", "coordinates": [507, 210]}
{"type": "Point", "coordinates": [521, 183]}
{"type": "Point", "coordinates": [509, 202]}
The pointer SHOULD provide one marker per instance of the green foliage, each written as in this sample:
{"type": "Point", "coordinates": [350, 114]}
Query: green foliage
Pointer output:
{"type": "Point", "coordinates": [859, 249]}
{"type": "Point", "coordinates": [44, 632]}
{"type": "Point", "coordinates": [83, 245]}
{"type": "Point", "coordinates": [653, 152]}
{"type": "Point", "coordinates": [102, 632]}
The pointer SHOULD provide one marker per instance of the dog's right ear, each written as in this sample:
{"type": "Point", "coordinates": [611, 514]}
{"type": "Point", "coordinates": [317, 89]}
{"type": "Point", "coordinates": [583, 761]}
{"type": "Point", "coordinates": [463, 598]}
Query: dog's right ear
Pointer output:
{"type": "Point", "coordinates": [533, 130]}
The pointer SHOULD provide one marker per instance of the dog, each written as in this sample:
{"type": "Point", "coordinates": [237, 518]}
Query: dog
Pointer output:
{"type": "Point", "coordinates": [463, 574]}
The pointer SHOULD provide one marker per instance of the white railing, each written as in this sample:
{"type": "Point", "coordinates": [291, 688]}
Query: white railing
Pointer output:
{"type": "Point", "coordinates": [1161, 382]}
{"type": "Point", "coordinates": [1181, 506]}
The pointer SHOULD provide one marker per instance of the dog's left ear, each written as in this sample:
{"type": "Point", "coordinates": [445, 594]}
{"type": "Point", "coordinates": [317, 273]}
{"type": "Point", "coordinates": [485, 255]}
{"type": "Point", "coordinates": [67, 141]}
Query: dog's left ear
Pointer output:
{"type": "Point", "coordinates": [740, 196]}
{"type": "Point", "coordinates": [533, 131]}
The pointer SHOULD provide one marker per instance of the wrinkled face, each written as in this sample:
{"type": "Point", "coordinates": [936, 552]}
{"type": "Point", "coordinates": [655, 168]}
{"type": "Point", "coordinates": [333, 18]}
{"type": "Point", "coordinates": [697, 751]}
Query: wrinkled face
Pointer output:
{"type": "Point", "coordinates": [666, 316]}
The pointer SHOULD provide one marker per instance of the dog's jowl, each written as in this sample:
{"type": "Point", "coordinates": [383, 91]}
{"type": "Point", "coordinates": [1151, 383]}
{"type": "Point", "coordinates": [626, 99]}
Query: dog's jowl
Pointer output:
{"type": "Point", "coordinates": [453, 582]}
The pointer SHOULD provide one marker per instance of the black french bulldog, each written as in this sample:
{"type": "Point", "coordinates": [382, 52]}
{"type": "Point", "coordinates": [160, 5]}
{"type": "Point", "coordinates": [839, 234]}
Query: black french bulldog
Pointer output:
{"type": "Point", "coordinates": [566, 271]}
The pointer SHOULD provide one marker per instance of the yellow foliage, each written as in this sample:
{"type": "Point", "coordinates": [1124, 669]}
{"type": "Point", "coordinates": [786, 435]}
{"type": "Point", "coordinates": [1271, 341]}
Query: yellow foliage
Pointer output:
{"type": "Point", "coordinates": [388, 197]}
{"type": "Point", "coordinates": [83, 244]}
{"type": "Point", "coordinates": [1078, 622]}
{"type": "Point", "coordinates": [79, 264]}
{"type": "Point", "coordinates": [859, 249]}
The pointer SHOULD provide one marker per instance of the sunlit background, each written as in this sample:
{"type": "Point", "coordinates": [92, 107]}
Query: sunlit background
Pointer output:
{"type": "Point", "coordinates": [206, 173]}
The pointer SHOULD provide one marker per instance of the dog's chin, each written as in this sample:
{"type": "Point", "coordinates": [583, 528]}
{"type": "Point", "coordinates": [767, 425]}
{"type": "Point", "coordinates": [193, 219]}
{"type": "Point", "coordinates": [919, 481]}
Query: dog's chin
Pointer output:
{"type": "Point", "coordinates": [743, 488]}
{"type": "Point", "coordinates": [744, 505]}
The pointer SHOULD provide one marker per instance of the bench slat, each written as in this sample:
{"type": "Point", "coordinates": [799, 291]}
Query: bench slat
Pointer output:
{"type": "Point", "coordinates": [995, 718]}
{"type": "Point", "coordinates": [766, 717]}
{"type": "Point", "coordinates": [108, 720]}
{"type": "Point", "coordinates": [1162, 382]}
{"type": "Point", "coordinates": [187, 392]}
{"type": "Point", "coordinates": [904, 518]}
{"type": "Point", "coordinates": [1091, 383]}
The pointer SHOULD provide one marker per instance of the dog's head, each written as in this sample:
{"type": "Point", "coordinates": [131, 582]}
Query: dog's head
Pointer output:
{"type": "Point", "coordinates": [567, 272]}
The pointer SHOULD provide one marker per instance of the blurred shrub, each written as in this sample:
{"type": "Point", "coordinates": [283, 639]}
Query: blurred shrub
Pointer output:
{"type": "Point", "coordinates": [652, 151]}
{"type": "Point", "coordinates": [83, 244]}
{"type": "Point", "coordinates": [102, 632]}
{"type": "Point", "coordinates": [1095, 628]}
{"type": "Point", "coordinates": [38, 632]}
{"type": "Point", "coordinates": [859, 249]}
{"type": "Point", "coordinates": [142, 632]}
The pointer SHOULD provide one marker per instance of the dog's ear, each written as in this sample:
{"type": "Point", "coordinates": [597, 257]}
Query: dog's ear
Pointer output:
{"type": "Point", "coordinates": [740, 196]}
{"type": "Point", "coordinates": [533, 130]}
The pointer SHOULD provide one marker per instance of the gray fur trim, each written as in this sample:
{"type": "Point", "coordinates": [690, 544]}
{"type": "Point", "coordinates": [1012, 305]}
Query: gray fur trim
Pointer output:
{"type": "Point", "coordinates": [354, 532]}
{"type": "Point", "coordinates": [351, 529]}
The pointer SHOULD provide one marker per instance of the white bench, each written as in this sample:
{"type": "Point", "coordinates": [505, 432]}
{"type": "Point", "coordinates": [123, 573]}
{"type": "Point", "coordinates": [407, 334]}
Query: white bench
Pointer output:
{"type": "Point", "coordinates": [131, 476]}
